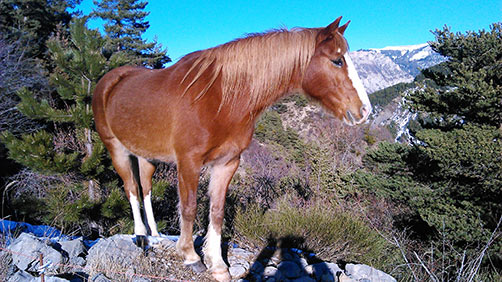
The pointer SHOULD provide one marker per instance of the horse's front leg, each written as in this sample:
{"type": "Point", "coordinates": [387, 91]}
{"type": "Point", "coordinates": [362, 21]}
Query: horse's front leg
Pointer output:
{"type": "Point", "coordinates": [221, 175]}
{"type": "Point", "coordinates": [188, 178]}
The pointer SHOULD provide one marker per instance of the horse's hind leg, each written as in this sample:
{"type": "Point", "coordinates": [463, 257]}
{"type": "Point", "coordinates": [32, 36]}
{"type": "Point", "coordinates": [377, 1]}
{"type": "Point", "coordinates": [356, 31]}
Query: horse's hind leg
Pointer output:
{"type": "Point", "coordinates": [122, 162]}
{"type": "Point", "coordinates": [221, 174]}
{"type": "Point", "coordinates": [146, 170]}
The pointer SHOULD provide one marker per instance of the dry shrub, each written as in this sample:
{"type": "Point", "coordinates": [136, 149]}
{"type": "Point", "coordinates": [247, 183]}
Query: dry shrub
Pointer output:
{"type": "Point", "coordinates": [327, 231]}
{"type": "Point", "coordinates": [264, 176]}
{"type": "Point", "coordinates": [445, 262]}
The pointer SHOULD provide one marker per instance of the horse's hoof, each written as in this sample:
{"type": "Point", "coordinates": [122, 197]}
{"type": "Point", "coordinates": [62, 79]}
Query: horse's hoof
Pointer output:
{"type": "Point", "coordinates": [141, 241]}
{"type": "Point", "coordinates": [197, 267]}
{"type": "Point", "coordinates": [221, 275]}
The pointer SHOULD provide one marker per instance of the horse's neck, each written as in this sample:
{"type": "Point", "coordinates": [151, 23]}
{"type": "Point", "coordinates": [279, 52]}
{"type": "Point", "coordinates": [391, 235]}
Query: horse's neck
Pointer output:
{"type": "Point", "coordinates": [294, 86]}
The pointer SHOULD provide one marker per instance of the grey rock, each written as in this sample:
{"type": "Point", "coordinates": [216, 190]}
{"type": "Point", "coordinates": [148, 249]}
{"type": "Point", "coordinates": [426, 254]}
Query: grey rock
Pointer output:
{"type": "Point", "coordinates": [270, 271]}
{"type": "Point", "coordinates": [100, 277]}
{"type": "Point", "coordinates": [55, 279]}
{"type": "Point", "coordinates": [275, 260]}
{"type": "Point", "coordinates": [241, 253]}
{"type": "Point", "coordinates": [237, 271]}
{"type": "Point", "coordinates": [344, 278]}
{"type": "Point", "coordinates": [290, 269]}
{"type": "Point", "coordinates": [22, 276]}
{"type": "Point", "coordinates": [238, 261]}
{"type": "Point", "coordinates": [118, 249]}
{"type": "Point", "coordinates": [76, 251]}
{"type": "Point", "coordinates": [80, 261]}
{"type": "Point", "coordinates": [74, 248]}
{"type": "Point", "coordinates": [26, 250]}
{"type": "Point", "coordinates": [360, 272]}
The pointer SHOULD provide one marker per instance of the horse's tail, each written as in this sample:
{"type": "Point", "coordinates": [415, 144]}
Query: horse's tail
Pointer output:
{"type": "Point", "coordinates": [100, 98]}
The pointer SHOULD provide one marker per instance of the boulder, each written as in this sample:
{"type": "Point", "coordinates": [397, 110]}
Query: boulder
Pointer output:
{"type": "Point", "coordinates": [326, 271]}
{"type": "Point", "coordinates": [22, 276]}
{"type": "Point", "coordinates": [362, 272]}
{"type": "Point", "coordinates": [54, 279]}
{"type": "Point", "coordinates": [118, 249]}
{"type": "Point", "coordinates": [237, 271]}
{"type": "Point", "coordinates": [26, 250]}
{"type": "Point", "coordinates": [76, 251]}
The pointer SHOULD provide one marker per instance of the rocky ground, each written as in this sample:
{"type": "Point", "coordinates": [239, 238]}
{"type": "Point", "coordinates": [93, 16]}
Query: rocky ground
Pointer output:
{"type": "Point", "coordinates": [118, 258]}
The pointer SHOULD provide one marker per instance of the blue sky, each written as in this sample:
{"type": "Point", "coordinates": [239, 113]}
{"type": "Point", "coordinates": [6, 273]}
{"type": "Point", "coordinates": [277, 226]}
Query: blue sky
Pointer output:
{"type": "Point", "coordinates": [186, 26]}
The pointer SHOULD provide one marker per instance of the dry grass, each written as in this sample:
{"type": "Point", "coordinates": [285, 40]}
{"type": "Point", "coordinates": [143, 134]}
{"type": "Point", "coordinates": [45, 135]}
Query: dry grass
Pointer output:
{"type": "Point", "coordinates": [5, 262]}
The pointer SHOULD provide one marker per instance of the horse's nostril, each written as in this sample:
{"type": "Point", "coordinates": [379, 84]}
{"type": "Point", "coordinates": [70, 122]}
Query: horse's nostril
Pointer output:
{"type": "Point", "coordinates": [365, 110]}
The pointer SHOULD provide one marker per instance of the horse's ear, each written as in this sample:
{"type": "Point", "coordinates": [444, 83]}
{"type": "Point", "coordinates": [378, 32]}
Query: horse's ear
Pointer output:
{"type": "Point", "coordinates": [328, 31]}
{"type": "Point", "coordinates": [343, 28]}
{"type": "Point", "coordinates": [334, 25]}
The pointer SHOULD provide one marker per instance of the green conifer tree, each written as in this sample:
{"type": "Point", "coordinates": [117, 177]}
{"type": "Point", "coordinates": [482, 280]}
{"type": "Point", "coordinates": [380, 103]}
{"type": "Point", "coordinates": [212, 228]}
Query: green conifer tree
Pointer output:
{"type": "Point", "coordinates": [33, 21]}
{"type": "Point", "coordinates": [451, 175]}
{"type": "Point", "coordinates": [68, 145]}
{"type": "Point", "coordinates": [124, 25]}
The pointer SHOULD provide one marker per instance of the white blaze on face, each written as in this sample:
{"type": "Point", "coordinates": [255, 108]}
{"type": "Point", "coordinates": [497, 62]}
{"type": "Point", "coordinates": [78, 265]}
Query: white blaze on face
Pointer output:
{"type": "Point", "coordinates": [357, 83]}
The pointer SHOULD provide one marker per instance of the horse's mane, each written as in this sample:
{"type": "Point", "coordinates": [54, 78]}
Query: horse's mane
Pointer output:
{"type": "Point", "coordinates": [255, 67]}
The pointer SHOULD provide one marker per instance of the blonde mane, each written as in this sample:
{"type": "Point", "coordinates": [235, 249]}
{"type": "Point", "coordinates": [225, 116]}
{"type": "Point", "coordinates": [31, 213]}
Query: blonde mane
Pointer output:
{"type": "Point", "coordinates": [256, 69]}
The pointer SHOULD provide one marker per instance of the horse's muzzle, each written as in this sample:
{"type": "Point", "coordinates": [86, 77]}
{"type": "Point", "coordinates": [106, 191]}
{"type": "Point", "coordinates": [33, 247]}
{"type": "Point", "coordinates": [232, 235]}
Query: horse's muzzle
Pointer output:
{"type": "Point", "coordinates": [351, 119]}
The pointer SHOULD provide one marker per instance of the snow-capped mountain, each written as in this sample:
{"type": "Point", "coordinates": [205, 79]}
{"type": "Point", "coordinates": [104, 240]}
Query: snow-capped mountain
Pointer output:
{"type": "Point", "coordinates": [381, 68]}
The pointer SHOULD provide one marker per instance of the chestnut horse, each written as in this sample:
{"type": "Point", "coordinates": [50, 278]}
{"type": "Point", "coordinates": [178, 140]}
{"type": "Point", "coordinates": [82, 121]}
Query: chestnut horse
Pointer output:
{"type": "Point", "coordinates": [202, 111]}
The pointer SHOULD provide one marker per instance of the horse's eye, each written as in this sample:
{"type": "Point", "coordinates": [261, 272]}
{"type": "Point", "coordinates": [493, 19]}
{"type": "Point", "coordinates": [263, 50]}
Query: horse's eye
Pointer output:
{"type": "Point", "coordinates": [338, 63]}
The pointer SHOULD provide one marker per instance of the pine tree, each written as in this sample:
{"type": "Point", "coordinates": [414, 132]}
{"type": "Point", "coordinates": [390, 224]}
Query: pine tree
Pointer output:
{"type": "Point", "coordinates": [33, 21]}
{"type": "Point", "coordinates": [68, 145]}
{"type": "Point", "coordinates": [471, 79]}
{"type": "Point", "coordinates": [125, 24]}
{"type": "Point", "coordinates": [451, 175]}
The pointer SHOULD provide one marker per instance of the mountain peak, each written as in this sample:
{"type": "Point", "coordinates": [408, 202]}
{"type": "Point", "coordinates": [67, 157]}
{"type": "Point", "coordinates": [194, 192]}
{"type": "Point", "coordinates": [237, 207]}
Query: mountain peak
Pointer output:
{"type": "Point", "coordinates": [381, 68]}
{"type": "Point", "coordinates": [402, 48]}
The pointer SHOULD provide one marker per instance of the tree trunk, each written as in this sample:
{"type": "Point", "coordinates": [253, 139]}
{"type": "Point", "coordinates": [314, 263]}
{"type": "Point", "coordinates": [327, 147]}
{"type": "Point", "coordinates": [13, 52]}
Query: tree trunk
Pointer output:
{"type": "Point", "coordinates": [91, 185]}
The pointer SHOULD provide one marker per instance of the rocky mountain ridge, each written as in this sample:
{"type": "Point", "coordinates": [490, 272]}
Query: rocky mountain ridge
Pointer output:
{"type": "Point", "coordinates": [381, 68]}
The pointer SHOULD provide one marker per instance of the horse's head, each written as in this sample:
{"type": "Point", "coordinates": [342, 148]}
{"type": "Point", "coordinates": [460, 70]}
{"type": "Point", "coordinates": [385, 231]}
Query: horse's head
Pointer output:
{"type": "Point", "coordinates": [332, 79]}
